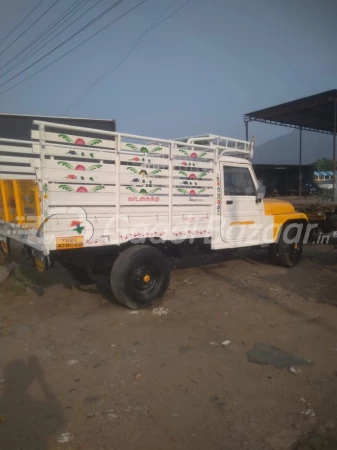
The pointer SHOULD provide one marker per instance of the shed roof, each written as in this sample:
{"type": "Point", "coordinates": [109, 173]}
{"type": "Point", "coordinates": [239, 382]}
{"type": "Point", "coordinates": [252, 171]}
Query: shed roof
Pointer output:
{"type": "Point", "coordinates": [313, 113]}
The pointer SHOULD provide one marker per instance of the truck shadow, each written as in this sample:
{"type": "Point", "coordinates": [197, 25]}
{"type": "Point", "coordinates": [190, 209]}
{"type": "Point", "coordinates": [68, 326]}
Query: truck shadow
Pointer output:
{"type": "Point", "coordinates": [28, 422]}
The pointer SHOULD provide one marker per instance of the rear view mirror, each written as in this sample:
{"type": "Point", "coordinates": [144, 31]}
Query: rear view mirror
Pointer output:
{"type": "Point", "coordinates": [260, 193]}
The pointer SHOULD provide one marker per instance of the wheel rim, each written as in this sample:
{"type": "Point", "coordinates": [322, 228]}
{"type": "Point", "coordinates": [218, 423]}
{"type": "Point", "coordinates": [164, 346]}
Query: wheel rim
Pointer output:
{"type": "Point", "coordinates": [144, 278]}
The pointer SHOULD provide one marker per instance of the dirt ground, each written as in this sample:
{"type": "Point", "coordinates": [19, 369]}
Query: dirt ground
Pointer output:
{"type": "Point", "coordinates": [78, 372]}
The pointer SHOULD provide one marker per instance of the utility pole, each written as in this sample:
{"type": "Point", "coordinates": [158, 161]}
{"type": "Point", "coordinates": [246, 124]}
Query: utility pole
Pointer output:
{"type": "Point", "coordinates": [300, 167]}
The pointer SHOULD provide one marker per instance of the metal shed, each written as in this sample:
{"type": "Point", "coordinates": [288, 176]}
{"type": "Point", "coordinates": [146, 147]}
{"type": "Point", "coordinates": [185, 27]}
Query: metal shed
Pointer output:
{"type": "Point", "coordinates": [316, 113]}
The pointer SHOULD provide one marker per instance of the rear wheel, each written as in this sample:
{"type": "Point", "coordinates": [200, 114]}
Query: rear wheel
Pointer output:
{"type": "Point", "coordinates": [287, 253]}
{"type": "Point", "coordinates": [139, 276]}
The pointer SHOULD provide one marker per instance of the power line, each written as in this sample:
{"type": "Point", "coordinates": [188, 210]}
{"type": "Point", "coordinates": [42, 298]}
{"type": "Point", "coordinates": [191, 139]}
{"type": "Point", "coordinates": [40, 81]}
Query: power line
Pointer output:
{"type": "Point", "coordinates": [65, 41]}
{"type": "Point", "coordinates": [74, 48]}
{"type": "Point", "coordinates": [23, 20]}
{"type": "Point", "coordinates": [30, 26]}
{"type": "Point", "coordinates": [32, 52]}
{"type": "Point", "coordinates": [131, 50]}
{"type": "Point", "coordinates": [47, 31]}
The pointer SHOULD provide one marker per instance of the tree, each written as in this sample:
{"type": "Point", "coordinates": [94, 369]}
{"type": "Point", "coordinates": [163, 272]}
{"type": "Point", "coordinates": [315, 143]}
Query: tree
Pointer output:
{"type": "Point", "coordinates": [323, 164]}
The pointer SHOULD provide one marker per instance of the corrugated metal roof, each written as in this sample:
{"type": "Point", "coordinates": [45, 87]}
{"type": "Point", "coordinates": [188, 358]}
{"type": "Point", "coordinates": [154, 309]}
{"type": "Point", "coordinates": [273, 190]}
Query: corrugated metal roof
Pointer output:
{"type": "Point", "coordinates": [326, 173]}
{"type": "Point", "coordinates": [314, 113]}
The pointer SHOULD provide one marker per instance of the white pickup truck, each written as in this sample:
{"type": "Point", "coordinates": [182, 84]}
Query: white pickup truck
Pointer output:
{"type": "Point", "coordinates": [106, 201]}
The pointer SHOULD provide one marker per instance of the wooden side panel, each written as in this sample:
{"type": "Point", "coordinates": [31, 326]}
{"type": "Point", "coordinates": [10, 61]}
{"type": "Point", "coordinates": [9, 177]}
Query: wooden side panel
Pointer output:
{"type": "Point", "coordinates": [192, 164]}
{"type": "Point", "coordinates": [193, 153]}
{"type": "Point", "coordinates": [55, 172]}
{"type": "Point", "coordinates": [80, 198]}
{"type": "Point", "coordinates": [78, 154]}
{"type": "Point", "coordinates": [144, 150]}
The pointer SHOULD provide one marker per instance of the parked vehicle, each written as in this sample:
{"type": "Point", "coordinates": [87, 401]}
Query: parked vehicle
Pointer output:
{"type": "Point", "coordinates": [309, 190]}
{"type": "Point", "coordinates": [121, 205]}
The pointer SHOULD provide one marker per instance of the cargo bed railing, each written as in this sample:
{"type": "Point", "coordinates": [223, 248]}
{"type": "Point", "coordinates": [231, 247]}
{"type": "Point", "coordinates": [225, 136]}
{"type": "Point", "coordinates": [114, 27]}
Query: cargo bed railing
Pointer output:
{"type": "Point", "coordinates": [225, 146]}
{"type": "Point", "coordinates": [122, 174]}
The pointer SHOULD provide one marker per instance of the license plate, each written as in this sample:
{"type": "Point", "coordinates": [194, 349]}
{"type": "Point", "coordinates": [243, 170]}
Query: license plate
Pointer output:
{"type": "Point", "coordinates": [67, 243]}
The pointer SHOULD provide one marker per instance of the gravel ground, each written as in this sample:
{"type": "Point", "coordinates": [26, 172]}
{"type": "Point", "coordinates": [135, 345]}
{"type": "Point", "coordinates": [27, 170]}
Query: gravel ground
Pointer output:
{"type": "Point", "coordinates": [78, 372]}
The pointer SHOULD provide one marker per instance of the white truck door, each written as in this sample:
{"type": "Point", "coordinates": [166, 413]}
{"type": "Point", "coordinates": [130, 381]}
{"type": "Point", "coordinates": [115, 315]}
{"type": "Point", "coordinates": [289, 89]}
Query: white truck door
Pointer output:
{"type": "Point", "coordinates": [241, 214]}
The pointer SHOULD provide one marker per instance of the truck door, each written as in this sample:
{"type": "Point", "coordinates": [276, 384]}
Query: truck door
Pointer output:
{"type": "Point", "coordinates": [241, 214]}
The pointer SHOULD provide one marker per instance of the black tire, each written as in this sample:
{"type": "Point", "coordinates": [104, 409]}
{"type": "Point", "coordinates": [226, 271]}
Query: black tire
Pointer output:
{"type": "Point", "coordinates": [284, 253]}
{"type": "Point", "coordinates": [273, 254]}
{"type": "Point", "coordinates": [80, 274]}
{"type": "Point", "coordinates": [139, 276]}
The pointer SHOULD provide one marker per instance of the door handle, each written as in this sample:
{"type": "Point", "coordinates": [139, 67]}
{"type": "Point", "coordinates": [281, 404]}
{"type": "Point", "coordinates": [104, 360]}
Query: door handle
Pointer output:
{"type": "Point", "coordinates": [229, 202]}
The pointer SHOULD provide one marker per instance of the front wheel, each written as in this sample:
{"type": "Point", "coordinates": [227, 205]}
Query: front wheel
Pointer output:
{"type": "Point", "coordinates": [139, 276]}
{"type": "Point", "coordinates": [288, 250]}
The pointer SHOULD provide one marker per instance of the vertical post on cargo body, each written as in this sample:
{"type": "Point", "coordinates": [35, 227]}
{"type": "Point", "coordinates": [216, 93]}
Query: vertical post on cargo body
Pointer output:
{"type": "Point", "coordinates": [252, 146]}
{"type": "Point", "coordinates": [216, 170]}
{"type": "Point", "coordinates": [43, 187]}
{"type": "Point", "coordinates": [4, 200]}
{"type": "Point", "coordinates": [169, 235]}
{"type": "Point", "coordinates": [334, 152]}
{"type": "Point", "coordinates": [37, 204]}
{"type": "Point", "coordinates": [117, 169]}
{"type": "Point", "coordinates": [300, 167]}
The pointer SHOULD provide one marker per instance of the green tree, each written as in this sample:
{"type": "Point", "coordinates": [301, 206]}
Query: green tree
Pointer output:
{"type": "Point", "coordinates": [323, 164]}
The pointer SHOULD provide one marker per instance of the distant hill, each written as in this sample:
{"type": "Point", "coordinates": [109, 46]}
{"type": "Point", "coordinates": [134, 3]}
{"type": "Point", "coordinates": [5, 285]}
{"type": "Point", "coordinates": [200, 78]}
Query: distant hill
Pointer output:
{"type": "Point", "coordinates": [285, 149]}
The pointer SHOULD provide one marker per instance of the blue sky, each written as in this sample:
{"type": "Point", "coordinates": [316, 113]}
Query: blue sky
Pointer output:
{"type": "Point", "coordinates": [198, 72]}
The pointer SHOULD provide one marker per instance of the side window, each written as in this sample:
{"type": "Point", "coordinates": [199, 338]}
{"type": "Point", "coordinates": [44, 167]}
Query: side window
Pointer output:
{"type": "Point", "coordinates": [238, 181]}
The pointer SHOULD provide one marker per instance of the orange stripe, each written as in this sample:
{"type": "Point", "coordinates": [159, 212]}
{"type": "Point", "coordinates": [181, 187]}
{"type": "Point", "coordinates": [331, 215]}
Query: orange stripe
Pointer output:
{"type": "Point", "coordinates": [18, 205]}
{"type": "Point", "coordinates": [247, 222]}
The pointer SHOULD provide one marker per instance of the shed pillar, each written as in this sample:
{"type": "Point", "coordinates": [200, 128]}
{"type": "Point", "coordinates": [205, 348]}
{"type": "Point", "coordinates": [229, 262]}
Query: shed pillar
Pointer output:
{"type": "Point", "coordinates": [300, 167]}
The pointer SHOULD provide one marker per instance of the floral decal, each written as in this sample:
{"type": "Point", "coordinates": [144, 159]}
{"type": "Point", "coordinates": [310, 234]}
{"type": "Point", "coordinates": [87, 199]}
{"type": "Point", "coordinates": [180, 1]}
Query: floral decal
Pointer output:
{"type": "Point", "coordinates": [45, 200]}
{"type": "Point", "coordinates": [79, 141]}
{"type": "Point", "coordinates": [192, 176]}
{"type": "Point", "coordinates": [74, 153]}
{"type": "Point", "coordinates": [69, 166]}
{"type": "Point", "coordinates": [45, 191]}
{"type": "Point", "coordinates": [75, 177]}
{"type": "Point", "coordinates": [142, 191]}
{"type": "Point", "coordinates": [192, 232]}
{"type": "Point", "coordinates": [144, 150]}
{"type": "Point", "coordinates": [192, 154]}
{"type": "Point", "coordinates": [190, 186]}
{"type": "Point", "coordinates": [143, 172]}
{"type": "Point", "coordinates": [192, 191]}
{"type": "Point", "coordinates": [84, 189]}
{"type": "Point", "coordinates": [78, 227]}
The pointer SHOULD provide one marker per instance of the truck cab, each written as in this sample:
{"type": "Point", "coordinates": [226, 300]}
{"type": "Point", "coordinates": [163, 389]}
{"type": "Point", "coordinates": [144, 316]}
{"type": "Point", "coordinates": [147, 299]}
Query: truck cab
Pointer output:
{"type": "Point", "coordinates": [246, 217]}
